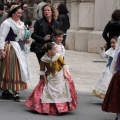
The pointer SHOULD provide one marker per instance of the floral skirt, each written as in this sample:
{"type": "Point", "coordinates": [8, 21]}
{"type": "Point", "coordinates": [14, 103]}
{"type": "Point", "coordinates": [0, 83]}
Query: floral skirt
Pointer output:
{"type": "Point", "coordinates": [10, 76]}
{"type": "Point", "coordinates": [111, 102]}
{"type": "Point", "coordinates": [34, 101]}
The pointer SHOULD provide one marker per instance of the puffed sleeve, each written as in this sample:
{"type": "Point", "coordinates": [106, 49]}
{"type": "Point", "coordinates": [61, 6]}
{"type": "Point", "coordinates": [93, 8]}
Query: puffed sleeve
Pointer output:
{"type": "Point", "coordinates": [63, 63]}
{"type": "Point", "coordinates": [42, 68]}
{"type": "Point", "coordinates": [4, 30]}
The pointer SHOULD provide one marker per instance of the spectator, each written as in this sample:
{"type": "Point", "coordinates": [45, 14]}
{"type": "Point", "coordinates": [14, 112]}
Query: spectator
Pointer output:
{"type": "Point", "coordinates": [3, 14]}
{"type": "Point", "coordinates": [112, 28]}
{"type": "Point", "coordinates": [7, 7]}
{"type": "Point", "coordinates": [43, 29]}
{"type": "Point", "coordinates": [26, 15]}
{"type": "Point", "coordinates": [63, 19]}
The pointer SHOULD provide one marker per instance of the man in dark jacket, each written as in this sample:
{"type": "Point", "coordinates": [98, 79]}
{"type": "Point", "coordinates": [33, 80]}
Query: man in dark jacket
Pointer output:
{"type": "Point", "coordinates": [112, 29]}
{"type": "Point", "coordinates": [63, 19]}
{"type": "Point", "coordinates": [3, 14]}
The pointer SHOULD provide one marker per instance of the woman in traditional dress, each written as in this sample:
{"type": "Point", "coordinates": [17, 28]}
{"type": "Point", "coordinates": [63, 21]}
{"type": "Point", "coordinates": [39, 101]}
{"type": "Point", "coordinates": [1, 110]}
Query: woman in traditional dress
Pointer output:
{"type": "Point", "coordinates": [55, 93]}
{"type": "Point", "coordinates": [14, 72]}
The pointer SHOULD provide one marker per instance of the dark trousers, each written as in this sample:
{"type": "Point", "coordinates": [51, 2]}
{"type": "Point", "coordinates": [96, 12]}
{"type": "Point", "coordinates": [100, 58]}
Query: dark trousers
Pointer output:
{"type": "Point", "coordinates": [107, 46]}
{"type": "Point", "coordinates": [63, 42]}
{"type": "Point", "coordinates": [39, 56]}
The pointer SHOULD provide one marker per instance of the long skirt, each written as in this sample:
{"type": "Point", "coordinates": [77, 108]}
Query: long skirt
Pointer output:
{"type": "Point", "coordinates": [111, 102]}
{"type": "Point", "coordinates": [10, 76]}
{"type": "Point", "coordinates": [34, 101]}
{"type": "Point", "coordinates": [102, 83]}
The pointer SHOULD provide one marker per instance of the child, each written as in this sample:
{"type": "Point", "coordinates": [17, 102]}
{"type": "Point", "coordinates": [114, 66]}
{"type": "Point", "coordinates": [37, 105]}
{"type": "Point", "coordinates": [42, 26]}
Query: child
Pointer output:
{"type": "Point", "coordinates": [111, 102]}
{"type": "Point", "coordinates": [58, 38]}
{"type": "Point", "coordinates": [55, 92]}
{"type": "Point", "coordinates": [103, 81]}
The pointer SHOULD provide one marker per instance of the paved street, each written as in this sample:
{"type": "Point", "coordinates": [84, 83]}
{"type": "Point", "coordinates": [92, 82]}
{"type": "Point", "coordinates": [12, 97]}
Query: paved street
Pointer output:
{"type": "Point", "coordinates": [84, 68]}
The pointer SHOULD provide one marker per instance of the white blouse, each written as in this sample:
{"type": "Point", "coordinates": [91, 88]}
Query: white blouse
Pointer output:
{"type": "Point", "coordinates": [109, 52]}
{"type": "Point", "coordinates": [19, 30]}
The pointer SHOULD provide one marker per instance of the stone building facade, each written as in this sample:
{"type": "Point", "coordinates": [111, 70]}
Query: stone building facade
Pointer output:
{"type": "Point", "coordinates": [88, 19]}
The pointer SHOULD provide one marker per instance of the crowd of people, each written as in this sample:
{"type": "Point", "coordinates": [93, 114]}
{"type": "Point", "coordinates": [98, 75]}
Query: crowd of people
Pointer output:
{"type": "Point", "coordinates": [55, 93]}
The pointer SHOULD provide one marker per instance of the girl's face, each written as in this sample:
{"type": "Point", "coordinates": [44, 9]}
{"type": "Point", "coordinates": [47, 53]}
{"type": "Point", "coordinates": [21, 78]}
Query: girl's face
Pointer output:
{"type": "Point", "coordinates": [58, 39]}
{"type": "Point", "coordinates": [113, 43]}
{"type": "Point", "coordinates": [47, 12]}
{"type": "Point", "coordinates": [17, 15]}
{"type": "Point", "coordinates": [53, 51]}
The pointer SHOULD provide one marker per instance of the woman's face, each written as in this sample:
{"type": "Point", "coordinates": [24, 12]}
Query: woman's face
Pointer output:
{"type": "Point", "coordinates": [17, 15]}
{"type": "Point", "coordinates": [47, 12]}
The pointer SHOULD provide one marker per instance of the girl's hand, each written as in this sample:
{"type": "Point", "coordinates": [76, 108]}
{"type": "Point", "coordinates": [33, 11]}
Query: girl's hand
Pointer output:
{"type": "Point", "coordinates": [65, 74]}
{"type": "Point", "coordinates": [45, 79]}
{"type": "Point", "coordinates": [46, 82]}
{"type": "Point", "coordinates": [2, 53]}
{"type": "Point", "coordinates": [28, 41]}
{"type": "Point", "coordinates": [102, 48]}
{"type": "Point", "coordinates": [47, 37]}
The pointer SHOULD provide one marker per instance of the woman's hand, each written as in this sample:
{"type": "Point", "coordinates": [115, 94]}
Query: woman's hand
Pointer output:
{"type": "Point", "coordinates": [47, 37]}
{"type": "Point", "coordinates": [2, 53]}
{"type": "Point", "coordinates": [28, 40]}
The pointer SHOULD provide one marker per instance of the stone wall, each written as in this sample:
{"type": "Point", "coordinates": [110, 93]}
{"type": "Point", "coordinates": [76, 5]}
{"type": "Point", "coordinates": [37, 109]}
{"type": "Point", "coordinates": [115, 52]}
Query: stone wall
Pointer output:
{"type": "Point", "coordinates": [88, 19]}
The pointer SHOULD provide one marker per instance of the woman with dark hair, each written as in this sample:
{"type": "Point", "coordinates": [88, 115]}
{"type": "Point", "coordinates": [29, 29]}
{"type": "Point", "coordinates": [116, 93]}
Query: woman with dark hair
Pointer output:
{"type": "Point", "coordinates": [43, 29]}
{"type": "Point", "coordinates": [112, 28]}
{"type": "Point", "coordinates": [3, 14]}
{"type": "Point", "coordinates": [63, 19]}
{"type": "Point", "coordinates": [14, 72]}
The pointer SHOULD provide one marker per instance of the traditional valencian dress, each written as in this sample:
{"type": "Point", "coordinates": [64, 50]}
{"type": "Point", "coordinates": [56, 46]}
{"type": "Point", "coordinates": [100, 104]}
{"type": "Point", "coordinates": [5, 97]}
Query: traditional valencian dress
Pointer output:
{"type": "Point", "coordinates": [58, 95]}
{"type": "Point", "coordinates": [104, 79]}
{"type": "Point", "coordinates": [111, 101]}
{"type": "Point", "coordinates": [14, 72]}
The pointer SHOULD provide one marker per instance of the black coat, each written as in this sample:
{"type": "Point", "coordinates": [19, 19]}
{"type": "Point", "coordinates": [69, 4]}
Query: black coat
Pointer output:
{"type": "Point", "coordinates": [63, 20]}
{"type": "Point", "coordinates": [111, 30]}
{"type": "Point", "coordinates": [41, 29]}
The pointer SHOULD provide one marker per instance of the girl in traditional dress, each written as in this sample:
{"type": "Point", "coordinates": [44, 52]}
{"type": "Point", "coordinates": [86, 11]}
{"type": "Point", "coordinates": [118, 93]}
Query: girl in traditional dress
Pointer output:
{"type": "Point", "coordinates": [103, 81]}
{"type": "Point", "coordinates": [58, 38]}
{"type": "Point", "coordinates": [111, 101]}
{"type": "Point", "coordinates": [14, 72]}
{"type": "Point", "coordinates": [55, 92]}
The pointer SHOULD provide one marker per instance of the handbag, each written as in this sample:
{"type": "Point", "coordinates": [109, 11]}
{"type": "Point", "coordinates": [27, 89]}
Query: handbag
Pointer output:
{"type": "Point", "coordinates": [36, 47]}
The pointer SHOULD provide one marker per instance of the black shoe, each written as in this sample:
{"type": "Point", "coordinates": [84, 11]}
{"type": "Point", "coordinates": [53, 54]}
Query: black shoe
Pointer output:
{"type": "Point", "coordinates": [7, 94]}
{"type": "Point", "coordinates": [16, 97]}
{"type": "Point", "coordinates": [116, 118]}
